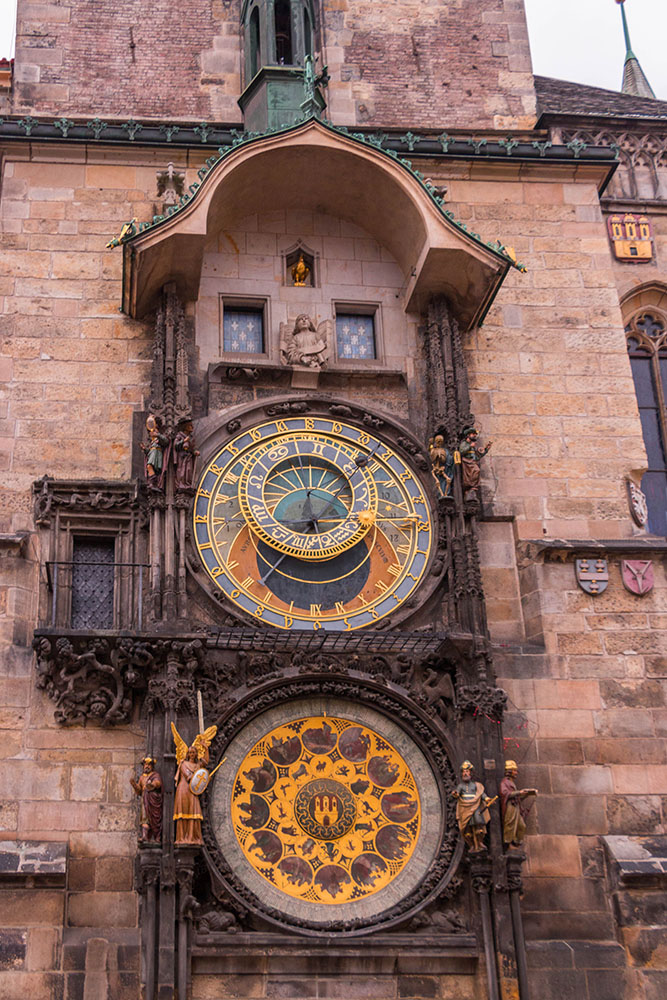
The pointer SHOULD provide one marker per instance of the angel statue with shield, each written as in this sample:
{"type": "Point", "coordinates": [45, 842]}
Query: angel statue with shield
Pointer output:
{"type": "Point", "coordinates": [190, 763]}
{"type": "Point", "coordinates": [305, 344]}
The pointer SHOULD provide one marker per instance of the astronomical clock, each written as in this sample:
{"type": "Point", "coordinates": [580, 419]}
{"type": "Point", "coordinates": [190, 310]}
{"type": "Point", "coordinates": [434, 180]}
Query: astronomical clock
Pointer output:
{"type": "Point", "coordinates": [308, 523]}
{"type": "Point", "coordinates": [332, 813]}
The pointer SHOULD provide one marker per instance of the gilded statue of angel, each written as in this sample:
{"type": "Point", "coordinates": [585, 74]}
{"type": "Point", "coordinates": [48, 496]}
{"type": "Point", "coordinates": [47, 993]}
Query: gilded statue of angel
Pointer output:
{"type": "Point", "coordinates": [305, 344]}
{"type": "Point", "coordinates": [189, 759]}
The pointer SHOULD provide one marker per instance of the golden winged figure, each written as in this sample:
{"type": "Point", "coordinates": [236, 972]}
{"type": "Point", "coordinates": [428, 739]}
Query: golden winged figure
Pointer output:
{"type": "Point", "coordinates": [201, 743]}
{"type": "Point", "coordinates": [187, 811]}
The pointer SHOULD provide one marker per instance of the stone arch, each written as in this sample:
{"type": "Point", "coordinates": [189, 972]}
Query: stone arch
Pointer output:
{"type": "Point", "coordinates": [302, 167]}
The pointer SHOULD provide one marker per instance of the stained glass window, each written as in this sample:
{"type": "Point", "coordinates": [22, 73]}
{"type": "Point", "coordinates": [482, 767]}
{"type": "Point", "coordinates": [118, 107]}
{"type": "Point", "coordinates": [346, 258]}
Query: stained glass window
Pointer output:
{"type": "Point", "coordinates": [647, 346]}
{"type": "Point", "coordinates": [243, 331]}
{"type": "Point", "coordinates": [355, 336]}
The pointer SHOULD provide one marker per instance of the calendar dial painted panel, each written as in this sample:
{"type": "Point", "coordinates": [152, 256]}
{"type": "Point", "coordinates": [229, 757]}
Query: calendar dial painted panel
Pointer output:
{"type": "Point", "coordinates": [312, 523]}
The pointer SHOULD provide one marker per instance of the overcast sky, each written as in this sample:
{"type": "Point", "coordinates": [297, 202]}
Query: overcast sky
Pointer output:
{"type": "Point", "coordinates": [578, 40]}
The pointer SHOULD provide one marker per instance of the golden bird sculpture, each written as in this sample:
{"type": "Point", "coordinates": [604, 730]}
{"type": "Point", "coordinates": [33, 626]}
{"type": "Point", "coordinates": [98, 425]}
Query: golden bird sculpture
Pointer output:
{"type": "Point", "coordinates": [300, 272]}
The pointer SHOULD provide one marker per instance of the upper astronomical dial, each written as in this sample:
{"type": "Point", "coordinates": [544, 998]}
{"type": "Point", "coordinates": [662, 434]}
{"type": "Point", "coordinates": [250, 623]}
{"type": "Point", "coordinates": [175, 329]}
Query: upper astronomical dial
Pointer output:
{"type": "Point", "coordinates": [310, 522]}
{"type": "Point", "coordinates": [308, 496]}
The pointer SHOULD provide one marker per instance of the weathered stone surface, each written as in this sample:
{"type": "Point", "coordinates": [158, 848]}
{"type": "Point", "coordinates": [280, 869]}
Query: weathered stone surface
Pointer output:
{"type": "Point", "coordinates": [30, 857]}
{"type": "Point", "coordinates": [634, 814]}
{"type": "Point", "coordinates": [12, 949]}
{"type": "Point", "coordinates": [102, 909]}
{"type": "Point", "coordinates": [634, 907]}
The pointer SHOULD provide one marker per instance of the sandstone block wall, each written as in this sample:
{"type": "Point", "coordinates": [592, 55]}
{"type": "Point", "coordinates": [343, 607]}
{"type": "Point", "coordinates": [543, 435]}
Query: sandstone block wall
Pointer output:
{"type": "Point", "coordinates": [552, 388]}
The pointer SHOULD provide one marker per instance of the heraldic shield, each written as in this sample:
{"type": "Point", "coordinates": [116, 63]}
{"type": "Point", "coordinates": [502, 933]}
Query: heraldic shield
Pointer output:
{"type": "Point", "coordinates": [637, 576]}
{"type": "Point", "coordinates": [592, 575]}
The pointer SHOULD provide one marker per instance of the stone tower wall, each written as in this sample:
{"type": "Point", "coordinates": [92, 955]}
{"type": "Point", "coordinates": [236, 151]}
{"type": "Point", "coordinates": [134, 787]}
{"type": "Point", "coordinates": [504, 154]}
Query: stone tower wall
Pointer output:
{"type": "Point", "coordinates": [393, 64]}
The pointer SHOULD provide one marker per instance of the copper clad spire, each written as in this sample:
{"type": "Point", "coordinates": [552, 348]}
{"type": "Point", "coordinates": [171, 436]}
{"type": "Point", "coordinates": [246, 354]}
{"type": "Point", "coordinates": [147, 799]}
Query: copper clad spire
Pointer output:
{"type": "Point", "coordinates": [634, 78]}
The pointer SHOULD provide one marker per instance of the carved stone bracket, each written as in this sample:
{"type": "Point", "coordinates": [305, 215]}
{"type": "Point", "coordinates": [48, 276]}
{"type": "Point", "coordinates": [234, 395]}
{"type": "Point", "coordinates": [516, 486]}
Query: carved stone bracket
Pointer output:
{"type": "Point", "coordinates": [481, 875]}
{"type": "Point", "coordinates": [513, 867]}
{"type": "Point", "coordinates": [94, 678]}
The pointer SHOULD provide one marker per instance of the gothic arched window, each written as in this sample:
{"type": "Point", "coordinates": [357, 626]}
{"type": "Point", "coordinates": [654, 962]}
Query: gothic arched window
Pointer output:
{"type": "Point", "coordinates": [277, 33]}
{"type": "Point", "coordinates": [647, 346]}
{"type": "Point", "coordinates": [254, 44]}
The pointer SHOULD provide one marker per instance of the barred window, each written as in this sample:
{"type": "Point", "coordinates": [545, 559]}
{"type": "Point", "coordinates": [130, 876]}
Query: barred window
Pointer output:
{"type": "Point", "coordinates": [647, 347]}
{"type": "Point", "coordinates": [93, 583]}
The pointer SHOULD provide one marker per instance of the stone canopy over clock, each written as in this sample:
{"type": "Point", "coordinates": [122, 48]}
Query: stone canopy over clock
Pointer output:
{"type": "Point", "coordinates": [312, 520]}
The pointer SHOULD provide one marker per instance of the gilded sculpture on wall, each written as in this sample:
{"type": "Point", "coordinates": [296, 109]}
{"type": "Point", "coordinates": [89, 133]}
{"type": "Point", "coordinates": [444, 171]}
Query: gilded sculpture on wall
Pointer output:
{"type": "Point", "coordinates": [149, 787]}
{"type": "Point", "coordinates": [300, 272]}
{"type": "Point", "coordinates": [304, 343]}
{"type": "Point", "coordinates": [513, 808]}
{"type": "Point", "coordinates": [471, 455]}
{"type": "Point", "coordinates": [189, 760]}
{"type": "Point", "coordinates": [472, 809]}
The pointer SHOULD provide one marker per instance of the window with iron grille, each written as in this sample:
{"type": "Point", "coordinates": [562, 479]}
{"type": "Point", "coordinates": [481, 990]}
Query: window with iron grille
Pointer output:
{"type": "Point", "coordinates": [93, 583]}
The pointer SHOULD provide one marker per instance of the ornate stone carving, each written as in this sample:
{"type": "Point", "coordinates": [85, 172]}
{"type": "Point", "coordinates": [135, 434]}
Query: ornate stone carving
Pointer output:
{"type": "Point", "coordinates": [304, 344]}
{"type": "Point", "coordinates": [66, 495]}
{"type": "Point", "coordinates": [209, 919]}
{"type": "Point", "coordinates": [641, 155]}
{"type": "Point", "coordinates": [481, 700]}
{"type": "Point", "coordinates": [638, 505]}
{"type": "Point", "coordinates": [91, 678]}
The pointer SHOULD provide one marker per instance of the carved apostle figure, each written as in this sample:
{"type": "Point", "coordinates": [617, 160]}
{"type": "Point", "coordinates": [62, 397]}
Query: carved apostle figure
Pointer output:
{"type": "Point", "coordinates": [472, 809]}
{"type": "Point", "coordinates": [185, 454]}
{"type": "Point", "coordinates": [305, 344]}
{"type": "Point", "coordinates": [148, 786]}
{"type": "Point", "coordinates": [513, 808]}
{"type": "Point", "coordinates": [187, 810]}
{"type": "Point", "coordinates": [471, 456]}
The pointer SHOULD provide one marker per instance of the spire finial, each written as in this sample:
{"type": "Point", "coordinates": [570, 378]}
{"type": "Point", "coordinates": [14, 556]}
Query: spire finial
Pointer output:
{"type": "Point", "coordinates": [629, 54]}
{"type": "Point", "coordinates": [634, 79]}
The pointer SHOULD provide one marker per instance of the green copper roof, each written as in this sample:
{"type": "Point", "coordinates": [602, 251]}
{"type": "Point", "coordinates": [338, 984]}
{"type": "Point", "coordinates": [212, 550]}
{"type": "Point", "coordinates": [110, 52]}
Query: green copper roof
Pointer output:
{"type": "Point", "coordinates": [375, 140]}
